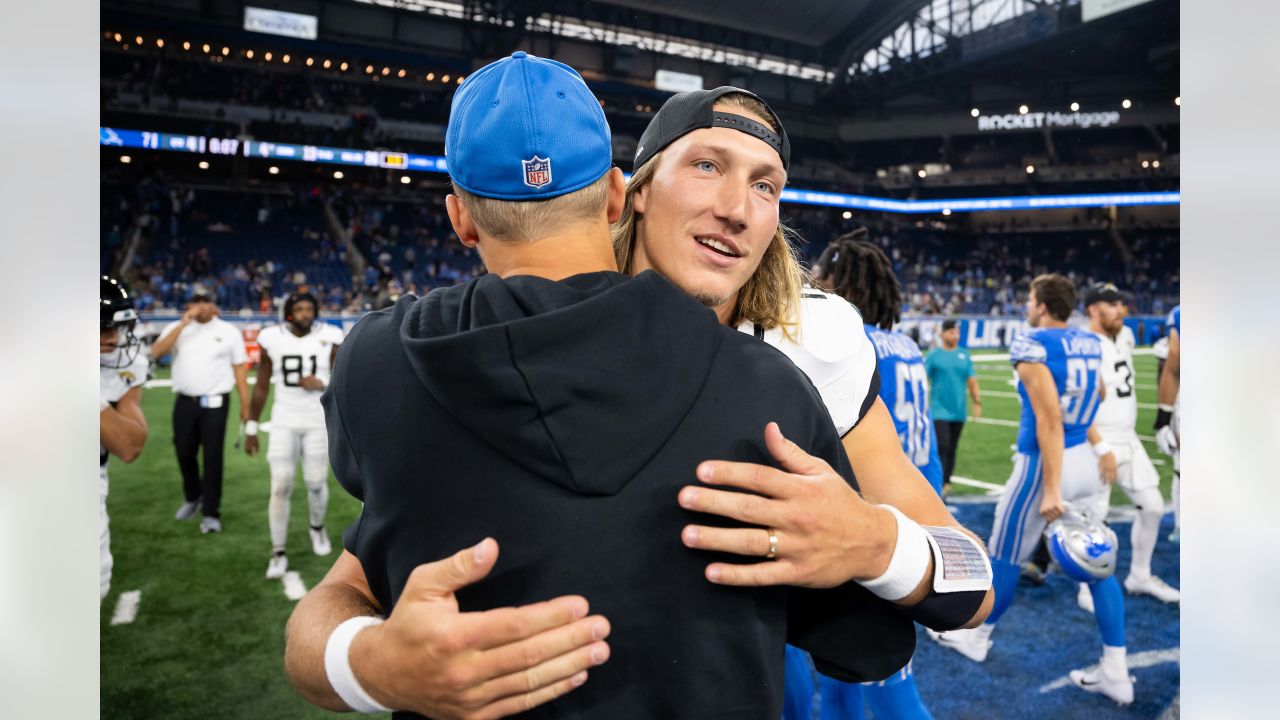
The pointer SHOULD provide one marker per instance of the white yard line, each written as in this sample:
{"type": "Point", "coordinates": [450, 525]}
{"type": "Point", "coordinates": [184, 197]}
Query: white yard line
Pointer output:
{"type": "Point", "coordinates": [991, 488]}
{"type": "Point", "coordinates": [294, 589]}
{"type": "Point", "coordinates": [1145, 659]}
{"type": "Point", "coordinates": [126, 607]}
{"type": "Point", "coordinates": [168, 382]}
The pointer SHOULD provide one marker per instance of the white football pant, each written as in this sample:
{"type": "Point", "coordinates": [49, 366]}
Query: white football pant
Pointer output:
{"type": "Point", "coordinates": [283, 449]}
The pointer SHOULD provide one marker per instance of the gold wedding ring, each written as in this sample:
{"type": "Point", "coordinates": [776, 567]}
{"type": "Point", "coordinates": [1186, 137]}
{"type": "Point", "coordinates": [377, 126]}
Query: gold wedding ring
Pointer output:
{"type": "Point", "coordinates": [773, 544]}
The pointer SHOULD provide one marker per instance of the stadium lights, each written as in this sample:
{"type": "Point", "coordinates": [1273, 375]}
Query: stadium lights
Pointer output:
{"type": "Point", "coordinates": [444, 79]}
{"type": "Point", "coordinates": [846, 215]}
{"type": "Point", "coordinates": [186, 44]}
{"type": "Point", "coordinates": [267, 56]}
{"type": "Point", "coordinates": [1031, 169]}
{"type": "Point", "coordinates": [337, 174]}
{"type": "Point", "coordinates": [1155, 163]}
{"type": "Point", "coordinates": [431, 76]}
{"type": "Point", "coordinates": [159, 42]}
{"type": "Point", "coordinates": [1075, 107]}
{"type": "Point", "coordinates": [946, 211]}
{"type": "Point", "coordinates": [402, 73]}
{"type": "Point", "coordinates": [405, 180]}
{"type": "Point", "coordinates": [1146, 163]}
{"type": "Point", "coordinates": [327, 64]}
{"type": "Point", "coordinates": [1126, 104]}
{"type": "Point", "coordinates": [386, 70]}
{"type": "Point", "coordinates": [248, 54]}
{"type": "Point", "coordinates": [204, 165]}
{"type": "Point", "coordinates": [117, 37]}
{"type": "Point", "coordinates": [461, 78]}
{"type": "Point", "coordinates": [922, 174]}
{"type": "Point", "coordinates": [205, 48]}
{"type": "Point", "coordinates": [1023, 109]}
{"type": "Point", "coordinates": [138, 40]}
{"type": "Point", "coordinates": [974, 112]}
{"type": "Point", "coordinates": [368, 69]}
{"type": "Point", "coordinates": [285, 59]}
{"type": "Point", "coordinates": [1178, 101]}
{"type": "Point", "coordinates": [343, 67]}
{"type": "Point", "coordinates": [273, 170]}
{"type": "Point", "coordinates": [225, 51]}
{"type": "Point", "coordinates": [126, 159]}
{"type": "Point", "coordinates": [310, 62]}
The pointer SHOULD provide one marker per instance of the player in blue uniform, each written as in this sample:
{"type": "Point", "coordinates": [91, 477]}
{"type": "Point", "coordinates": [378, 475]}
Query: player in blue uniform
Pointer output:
{"type": "Point", "coordinates": [1060, 387]}
{"type": "Point", "coordinates": [859, 272]}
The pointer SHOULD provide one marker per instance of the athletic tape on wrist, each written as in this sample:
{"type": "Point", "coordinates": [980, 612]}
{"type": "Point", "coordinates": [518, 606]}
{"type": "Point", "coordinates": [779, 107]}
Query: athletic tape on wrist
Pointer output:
{"type": "Point", "coordinates": [1101, 448]}
{"type": "Point", "coordinates": [337, 665]}
{"type": "Point", "coordinates": [909, 563]}
{"type": "Point", "coordinates": [251, 428]}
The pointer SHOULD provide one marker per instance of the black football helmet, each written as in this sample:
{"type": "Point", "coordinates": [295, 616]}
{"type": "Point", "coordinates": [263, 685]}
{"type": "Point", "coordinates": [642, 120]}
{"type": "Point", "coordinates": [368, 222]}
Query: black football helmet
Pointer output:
{"type": "Point", "coordinates": [116, 311]}
{"type": "Point", "coordinates": [293, 299]}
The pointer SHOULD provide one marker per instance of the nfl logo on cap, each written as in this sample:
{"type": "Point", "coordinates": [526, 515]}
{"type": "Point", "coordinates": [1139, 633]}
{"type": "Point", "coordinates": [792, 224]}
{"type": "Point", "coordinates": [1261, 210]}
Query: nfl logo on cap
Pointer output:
{"type": "Point", "coordinates": [537, 171]}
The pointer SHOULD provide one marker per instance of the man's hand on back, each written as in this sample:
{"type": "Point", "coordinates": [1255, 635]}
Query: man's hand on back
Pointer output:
{"type": "Point", "coordinates": [432, 659]}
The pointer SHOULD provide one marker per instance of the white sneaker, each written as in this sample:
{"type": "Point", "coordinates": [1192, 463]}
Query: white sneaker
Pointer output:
{"type": "Point", "coordinates": [1153, 586]}
{"type": "Point", "coordinates": [1084, 598]}
{"type": "Point", "coordinates": [210, 525]}
{"type": "Point", "coordinates": [320, 541]}
{"type": "Point", "coordinates": [973, 644]}
{"type": "Point", "coordinates": [277, 565]}
{"type": "Point", "coordinates": [187, 510]}
{"type": "Point", "coordinates": [1094, 679]}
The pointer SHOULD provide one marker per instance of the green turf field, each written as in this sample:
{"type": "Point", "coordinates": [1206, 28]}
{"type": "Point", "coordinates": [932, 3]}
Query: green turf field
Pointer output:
{"type": "Point", "coordinates": [208, 639]}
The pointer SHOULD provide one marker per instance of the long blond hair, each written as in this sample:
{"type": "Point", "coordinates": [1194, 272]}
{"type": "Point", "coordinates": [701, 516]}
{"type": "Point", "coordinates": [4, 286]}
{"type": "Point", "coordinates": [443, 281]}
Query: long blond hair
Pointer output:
{"type": "Point", "coordinates": [771, 297]}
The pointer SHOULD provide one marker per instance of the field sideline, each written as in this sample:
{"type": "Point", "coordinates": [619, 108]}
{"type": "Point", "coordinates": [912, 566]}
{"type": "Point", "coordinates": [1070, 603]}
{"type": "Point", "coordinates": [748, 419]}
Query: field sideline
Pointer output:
{"type": "Point", "coordinates": [208, 636]}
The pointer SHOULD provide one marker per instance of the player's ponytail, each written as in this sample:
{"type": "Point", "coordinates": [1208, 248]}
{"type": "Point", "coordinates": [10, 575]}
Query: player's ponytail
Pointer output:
{"type": "Point", "coordinates": [861, 273]}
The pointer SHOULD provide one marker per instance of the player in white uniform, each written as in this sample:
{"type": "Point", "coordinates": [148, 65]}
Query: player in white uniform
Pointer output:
{"type": "Point", "coordinates": [296, 357]}
{"type": "Point", "coordinates": [1121, 456]}
{"type": "Point", "coordinates": [122, 428]}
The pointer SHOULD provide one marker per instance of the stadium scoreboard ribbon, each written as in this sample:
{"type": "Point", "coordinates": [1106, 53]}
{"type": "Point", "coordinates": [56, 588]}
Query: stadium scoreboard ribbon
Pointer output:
{"type": "Point", "coordinates": [174, 142]}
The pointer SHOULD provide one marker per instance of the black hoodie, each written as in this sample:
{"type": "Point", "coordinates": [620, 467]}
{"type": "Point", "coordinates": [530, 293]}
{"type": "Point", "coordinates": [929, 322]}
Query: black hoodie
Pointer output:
{"type": "Point", "coordinates": [562, 418]}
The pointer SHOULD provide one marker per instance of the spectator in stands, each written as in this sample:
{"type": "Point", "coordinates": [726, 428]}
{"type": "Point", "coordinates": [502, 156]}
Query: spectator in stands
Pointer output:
{"type": "Point", "coordinates": [950, 371]}
{"type": "Point", "coordinates": [208, 359]}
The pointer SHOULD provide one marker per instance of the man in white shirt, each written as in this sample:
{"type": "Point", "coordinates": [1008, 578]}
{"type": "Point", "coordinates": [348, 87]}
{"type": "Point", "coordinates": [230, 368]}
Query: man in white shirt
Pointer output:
{"type": "Point", "coordinates": [1120, 452]}
{"type": "Point", "coordinates": [296, 356]}
{"type": "Point", "coordinates": [122, 428]}
{"type": "Point", "coordinates": [208, 358]}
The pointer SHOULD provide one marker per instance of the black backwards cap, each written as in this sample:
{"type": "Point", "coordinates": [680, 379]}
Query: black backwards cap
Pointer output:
{"type": "Point", "coordinates": [1102, 292]}
{"type": "Point", "coordinates": [688, 111]}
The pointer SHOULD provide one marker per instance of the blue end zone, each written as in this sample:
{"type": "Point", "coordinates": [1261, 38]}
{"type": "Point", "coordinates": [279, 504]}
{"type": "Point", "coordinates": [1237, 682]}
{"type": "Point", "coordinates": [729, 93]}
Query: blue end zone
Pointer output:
{"type": "Point", "coordinates": [1044, 635]}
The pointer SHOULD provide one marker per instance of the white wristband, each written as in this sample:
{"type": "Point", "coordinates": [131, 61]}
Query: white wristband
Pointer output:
{"type": "Point", "coordinates": [337, 665]}
{"type": "Point", "coordinates": [909, 563]}
{"type": "Point", "coordinates": [1101, 448]}
{"type": "Point", "coordinates": [251, 428]}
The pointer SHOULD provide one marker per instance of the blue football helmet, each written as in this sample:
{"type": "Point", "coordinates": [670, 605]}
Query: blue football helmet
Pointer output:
{"type": "Point", "coordinates": [1085, 548]}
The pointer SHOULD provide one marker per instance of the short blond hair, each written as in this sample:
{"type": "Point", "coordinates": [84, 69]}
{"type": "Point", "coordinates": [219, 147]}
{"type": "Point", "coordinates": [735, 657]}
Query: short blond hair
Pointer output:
{"type": "Point", "coordinates": [771, 297]}
{"type": "Point", "coordinates": [528, 220]}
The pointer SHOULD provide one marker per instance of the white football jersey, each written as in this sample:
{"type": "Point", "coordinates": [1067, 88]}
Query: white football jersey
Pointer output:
{"type": "Point", "coordinates": [1118, 413]}
{"type": "Point", "coordinates": [115, 382]}
{"type": "Point", "coordinates": [833, 350]}
{"type": "Point", "coordinates": [293, 358]}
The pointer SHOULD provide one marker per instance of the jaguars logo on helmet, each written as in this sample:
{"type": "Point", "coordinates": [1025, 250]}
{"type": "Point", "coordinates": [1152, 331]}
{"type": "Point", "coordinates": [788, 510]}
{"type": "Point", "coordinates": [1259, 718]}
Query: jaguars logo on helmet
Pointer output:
{"type": "Point", "coordinates": [116, 312]}
{"type": "Point", "coordinates": [1085, 548]}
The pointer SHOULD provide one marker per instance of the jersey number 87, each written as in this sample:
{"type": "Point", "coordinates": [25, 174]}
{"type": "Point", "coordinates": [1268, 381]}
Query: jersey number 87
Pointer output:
{"type": "Point", "coordinates": [1082, 392]}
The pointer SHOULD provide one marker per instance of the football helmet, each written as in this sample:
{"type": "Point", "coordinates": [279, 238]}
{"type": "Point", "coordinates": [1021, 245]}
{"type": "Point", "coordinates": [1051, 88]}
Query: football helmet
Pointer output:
{"type": "Point", "coordinates": [1085, 548]}
{"type": "Point", "coordinates": [116, 311]}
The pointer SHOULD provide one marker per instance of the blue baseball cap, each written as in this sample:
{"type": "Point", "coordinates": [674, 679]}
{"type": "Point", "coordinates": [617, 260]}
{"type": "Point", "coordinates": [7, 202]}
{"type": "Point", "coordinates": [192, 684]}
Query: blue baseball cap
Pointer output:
{"type": "Point", "coordinates": [526, 128]}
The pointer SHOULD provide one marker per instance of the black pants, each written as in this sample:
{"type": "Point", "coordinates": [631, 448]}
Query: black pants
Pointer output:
{"type": "Point", "coordinates": [948, 439]}
{"type": "Point", "coordinates": [194, 427]}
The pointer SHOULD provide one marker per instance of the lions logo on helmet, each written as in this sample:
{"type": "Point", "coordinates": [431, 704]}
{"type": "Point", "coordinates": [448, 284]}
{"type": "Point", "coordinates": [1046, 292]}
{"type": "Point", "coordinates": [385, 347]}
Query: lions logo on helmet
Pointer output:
{"type": "Point", "coordinates": [1085, 548]}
